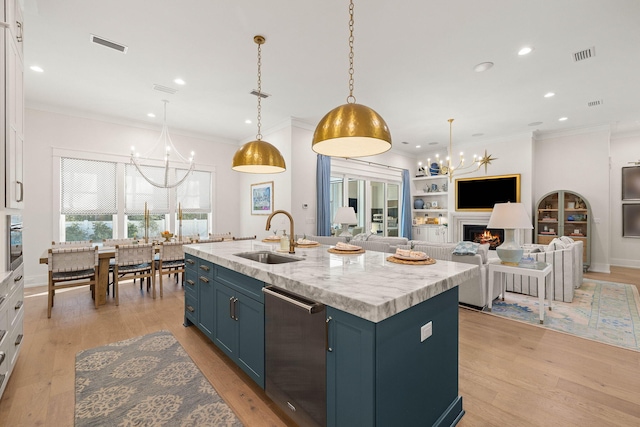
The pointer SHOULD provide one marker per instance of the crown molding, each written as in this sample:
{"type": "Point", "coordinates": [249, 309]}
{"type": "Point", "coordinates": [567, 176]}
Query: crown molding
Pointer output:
{"type": "Point", "coordinates": [543, 135]}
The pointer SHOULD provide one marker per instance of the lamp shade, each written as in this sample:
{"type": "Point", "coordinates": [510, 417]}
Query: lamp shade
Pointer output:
{"type": "Point", "coordinates": [351, 130]}
{"type": "Point", "coordinates": [346, 215]}
{"type": "Point", "coordinates": [509, 216]}
{"type": "Point", "coordinates": [258, 157]}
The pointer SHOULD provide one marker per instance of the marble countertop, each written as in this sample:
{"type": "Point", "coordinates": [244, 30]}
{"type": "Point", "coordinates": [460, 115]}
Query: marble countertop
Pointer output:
{"type": "Point", "coordinates": [365, 285]}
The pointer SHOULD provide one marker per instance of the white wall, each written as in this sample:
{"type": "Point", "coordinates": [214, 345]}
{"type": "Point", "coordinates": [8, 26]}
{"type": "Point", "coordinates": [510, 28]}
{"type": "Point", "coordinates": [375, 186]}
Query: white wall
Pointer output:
{"type": "Point", "coordinates": [625, 251]}
{"type": "Point", "coordinates": [47, 130]}
{"type": "Point", "coordinates": [303, 186]}
{"type": "Point", "coordinates": [578, 161]}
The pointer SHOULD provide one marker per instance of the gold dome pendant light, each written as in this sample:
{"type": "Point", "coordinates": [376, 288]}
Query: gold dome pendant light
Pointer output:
{"type": "Point", "coordinates": [258, 156]}
{"type": "Point", "coordinates": [351, 130]}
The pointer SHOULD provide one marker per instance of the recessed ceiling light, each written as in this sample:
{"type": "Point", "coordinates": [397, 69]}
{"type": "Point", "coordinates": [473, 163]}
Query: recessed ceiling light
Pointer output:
{"type": "Point", "coordinates": [179, 81]}
{"type": "Point", "coordinates": [562, 119]}
{"type": "Point", "coordinates": [549, 94]}
{"type": "Point", "coordinates": [525, 50]}
{"type": "Point", "coordinates": [483, 66]}
{"type": "Point", "coordinates": [36, 69]}
{"type": "Point", "coordinates": [477, 134]}
{"type": "Point", "coordinates": [151, 115]}
{"type": "Point", "coordinates": [535, 124]}
{"type": "Point", "coordinates": [418, 146]}
{"type": "Point", "coordinates": [248, 121]}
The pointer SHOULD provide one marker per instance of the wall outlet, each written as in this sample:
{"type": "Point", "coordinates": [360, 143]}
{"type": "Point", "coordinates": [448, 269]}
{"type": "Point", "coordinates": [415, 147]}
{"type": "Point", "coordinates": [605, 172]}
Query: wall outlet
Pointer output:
{"type": "Point", "coordinates": [426, 331]}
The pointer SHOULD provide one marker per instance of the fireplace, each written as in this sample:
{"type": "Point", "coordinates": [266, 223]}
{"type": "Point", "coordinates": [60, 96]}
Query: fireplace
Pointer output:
{"type": "Point", "coordinates": [481, 234]}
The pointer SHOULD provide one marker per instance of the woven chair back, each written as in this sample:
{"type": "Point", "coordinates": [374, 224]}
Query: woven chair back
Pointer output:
{"type": "Point", "coordinates": [171, 251]}
{"type": "Point", "coordinates": [134, 254]}
{"type": "Point", "coordinates": [78, 243]}
{"type": "Point", "coordinates": [72, 259]}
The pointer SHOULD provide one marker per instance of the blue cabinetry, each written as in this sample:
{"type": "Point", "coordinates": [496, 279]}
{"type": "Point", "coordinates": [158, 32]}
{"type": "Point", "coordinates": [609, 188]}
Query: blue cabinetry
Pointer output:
{"type": "Point", "coordinates": [383, 374]}
{"type": "Point", "coordinates": [228, 307]}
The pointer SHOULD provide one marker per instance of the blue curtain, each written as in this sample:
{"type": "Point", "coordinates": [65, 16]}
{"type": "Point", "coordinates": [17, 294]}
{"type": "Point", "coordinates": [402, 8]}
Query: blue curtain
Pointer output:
{"type": "Point", "coordinates": [323, 205]}
{"type": "Point", "coordinates": [405, 220]}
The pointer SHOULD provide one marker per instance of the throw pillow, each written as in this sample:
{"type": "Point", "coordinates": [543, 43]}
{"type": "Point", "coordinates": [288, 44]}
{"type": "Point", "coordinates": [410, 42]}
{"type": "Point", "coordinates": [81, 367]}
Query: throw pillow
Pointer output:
{"type": "Point", "coordinates": [566, 240]}
{"type": "Point", "coordinates": [555, 245]}
{"type": "Point", "coordinates": [466, 248]}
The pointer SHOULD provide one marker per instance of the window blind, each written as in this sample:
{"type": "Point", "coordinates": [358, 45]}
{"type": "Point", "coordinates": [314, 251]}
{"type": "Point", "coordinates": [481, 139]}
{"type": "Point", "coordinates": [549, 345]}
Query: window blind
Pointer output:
{"type": "Point", "coordinates": [138, 191]}
{"type": "Point", "coordinates": [88, 187]}
{"type": "Point", "coordinates": [194, 195]}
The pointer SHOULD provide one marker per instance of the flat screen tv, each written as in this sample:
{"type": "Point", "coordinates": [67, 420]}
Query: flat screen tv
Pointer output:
{"type": "Point", "coordinates": [480, 194]}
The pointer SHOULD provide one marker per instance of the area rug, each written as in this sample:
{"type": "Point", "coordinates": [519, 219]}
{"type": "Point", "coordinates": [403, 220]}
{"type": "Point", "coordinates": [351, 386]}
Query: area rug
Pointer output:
{"type": "Point", "coordinates": [602, 311]}
{"type": "Point", "coordinates": [146, 381]}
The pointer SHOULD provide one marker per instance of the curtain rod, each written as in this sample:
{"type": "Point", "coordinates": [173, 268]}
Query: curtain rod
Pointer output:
{"type": "Point", "coordinates": [374, 163]}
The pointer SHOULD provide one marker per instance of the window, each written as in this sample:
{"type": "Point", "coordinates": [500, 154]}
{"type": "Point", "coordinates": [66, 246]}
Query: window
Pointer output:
{"type": "Point", "coordinates": [102, 199]}
{"type": "Point", "coordinates": [88, 199]}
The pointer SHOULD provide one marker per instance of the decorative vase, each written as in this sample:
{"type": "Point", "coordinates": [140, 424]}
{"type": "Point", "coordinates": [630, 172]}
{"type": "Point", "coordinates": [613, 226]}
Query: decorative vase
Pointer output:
{"type": "Point", "coordinates": [434, 169]}
{"type": "Point", "coordinates": [418, 204]}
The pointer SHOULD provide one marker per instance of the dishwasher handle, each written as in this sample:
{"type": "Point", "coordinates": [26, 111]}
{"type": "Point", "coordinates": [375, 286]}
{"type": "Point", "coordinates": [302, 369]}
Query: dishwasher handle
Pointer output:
{"type": "Point", "coordinates": [310, 307]}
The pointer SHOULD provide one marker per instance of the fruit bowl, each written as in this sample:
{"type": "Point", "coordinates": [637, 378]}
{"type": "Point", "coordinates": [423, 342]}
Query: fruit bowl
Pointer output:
{"type": "Point", "coordinates": [167, 235]}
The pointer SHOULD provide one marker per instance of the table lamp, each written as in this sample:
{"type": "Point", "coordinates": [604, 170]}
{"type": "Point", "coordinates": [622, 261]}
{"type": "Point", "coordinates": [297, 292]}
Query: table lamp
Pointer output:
{"type": "Point", "coordinates": [345, 216]}
{"type": "Point", "coordinates": [510, 217]}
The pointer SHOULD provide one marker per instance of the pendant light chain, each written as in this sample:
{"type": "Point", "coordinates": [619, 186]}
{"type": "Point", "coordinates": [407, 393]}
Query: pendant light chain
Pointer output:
{"type": "Point", "coordinates": [351, 99]}
{"type": "Point", "coordinates": [259, 134]}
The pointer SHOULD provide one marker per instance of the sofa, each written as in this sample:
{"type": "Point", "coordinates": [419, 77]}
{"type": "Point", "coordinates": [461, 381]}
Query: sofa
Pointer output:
{"type": "Point", "coordinates": [473, 292]}
{"type": "Point", "coordinates": [568, 267]}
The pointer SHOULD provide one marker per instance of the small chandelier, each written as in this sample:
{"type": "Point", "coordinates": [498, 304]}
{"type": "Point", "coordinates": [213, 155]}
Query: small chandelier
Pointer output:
{"type": "Point", "coordinates": [168, 150]}
{"type": "Point", "coordinates": [258, 156]}
{"type": "Point", "coordinates": [460, 168]}
{"type": "Point", "coordinates": [351, 130]}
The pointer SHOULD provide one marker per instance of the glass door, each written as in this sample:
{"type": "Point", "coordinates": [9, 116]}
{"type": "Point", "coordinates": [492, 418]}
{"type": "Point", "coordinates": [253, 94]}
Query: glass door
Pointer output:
{"type": "Point", "coordinates": [392, 214]}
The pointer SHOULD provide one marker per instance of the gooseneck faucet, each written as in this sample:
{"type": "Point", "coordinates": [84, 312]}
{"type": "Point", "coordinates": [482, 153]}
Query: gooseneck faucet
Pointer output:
{"type": "Point", "coordinates": [292, 242]}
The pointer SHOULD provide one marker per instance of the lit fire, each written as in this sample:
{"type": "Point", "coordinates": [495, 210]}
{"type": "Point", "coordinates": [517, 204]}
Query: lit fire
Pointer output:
{"type": "Point", "coordinates": [487, 237]}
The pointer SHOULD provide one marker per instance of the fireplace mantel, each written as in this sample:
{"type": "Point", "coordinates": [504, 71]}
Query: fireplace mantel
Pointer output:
{"type": "Point", "coordinates": [459, 220]}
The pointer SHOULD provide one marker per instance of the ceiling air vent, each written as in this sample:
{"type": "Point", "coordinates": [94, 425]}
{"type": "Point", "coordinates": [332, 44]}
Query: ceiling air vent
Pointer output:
{"type": "Point", "coordinates": [164, 89]}
{"type": "Point", "coordinates": [260, 94]}
{"type": "Point", "coordinates": [584, 54]}
{"type": "Point", "coordinates": [108, 43]}
{"type": "Point", "coordinates": [595, 103]}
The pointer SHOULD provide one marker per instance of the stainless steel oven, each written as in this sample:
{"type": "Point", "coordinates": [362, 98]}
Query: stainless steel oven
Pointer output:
{"type": "Point", "coordinates": [14, 241]}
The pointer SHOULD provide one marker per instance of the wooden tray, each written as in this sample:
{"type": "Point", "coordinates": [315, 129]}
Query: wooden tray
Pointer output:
{"type": "Point", "coordinates": [271, 240]}
{"type": "Point", "coordinates": [307, 245]}
{"type": "Point", "coordinates": [335, 251]}
{"type": "Point", "coordinates": [416, 262]}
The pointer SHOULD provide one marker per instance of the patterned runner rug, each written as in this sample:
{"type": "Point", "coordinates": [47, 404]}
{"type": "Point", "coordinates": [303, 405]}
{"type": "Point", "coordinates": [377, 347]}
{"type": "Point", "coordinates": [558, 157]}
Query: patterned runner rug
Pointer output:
{"type": "Point", "coordinates": [602, 311]}
{"type": "Point", "coordinates": [145, 381]}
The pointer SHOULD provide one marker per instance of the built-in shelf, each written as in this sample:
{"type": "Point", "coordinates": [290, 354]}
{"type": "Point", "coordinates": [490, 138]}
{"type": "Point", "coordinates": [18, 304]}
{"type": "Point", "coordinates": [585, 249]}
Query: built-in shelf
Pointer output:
{"type": "Point", "coordinates": [432, 193]}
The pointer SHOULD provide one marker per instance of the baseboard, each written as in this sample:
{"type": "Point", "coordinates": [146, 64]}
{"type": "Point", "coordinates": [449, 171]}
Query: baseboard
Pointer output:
{"type": "Point", "coordinates": [622, 262]}
{"type": "Point", "coordinates": [600, 268]}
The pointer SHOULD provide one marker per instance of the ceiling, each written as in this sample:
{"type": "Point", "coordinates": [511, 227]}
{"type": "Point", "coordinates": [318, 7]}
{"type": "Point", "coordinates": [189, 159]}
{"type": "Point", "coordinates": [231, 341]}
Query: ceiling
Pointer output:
{"type": "Point", "coordinates": [414, 64]}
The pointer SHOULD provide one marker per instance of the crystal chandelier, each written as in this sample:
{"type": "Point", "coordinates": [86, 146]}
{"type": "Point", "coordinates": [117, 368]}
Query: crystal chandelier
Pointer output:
{"type": "Point", "coordinates": [168, 151]}
{"type": "Point", "coordinates": [448, 168]}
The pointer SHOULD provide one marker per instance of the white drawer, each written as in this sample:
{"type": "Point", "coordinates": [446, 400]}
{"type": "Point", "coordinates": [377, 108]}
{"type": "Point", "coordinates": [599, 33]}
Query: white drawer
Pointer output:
{"type": "Point", "coordinates": [15, 341]}
{"type": "Point", "coordinates": [6, 357]}
{"type": "Point", "coordinates": [17, 278]}
{"type": "Point", "coordinates": [16, 305]}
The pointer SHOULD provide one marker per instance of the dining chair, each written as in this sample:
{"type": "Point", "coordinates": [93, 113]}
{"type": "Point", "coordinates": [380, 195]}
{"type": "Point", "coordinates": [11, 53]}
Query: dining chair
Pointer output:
{"type": "Point", "coordinates": [77, 243]}
{"type": "Point", "coordinates": [134, 262]}
{"type": "Point", "coordinates": [71, 267]}
{"type": "Point", "coordinates": [213, 240]}
{"type": "Point", "coordinates": [112, 261]}
{"type": "Point", "coordinates": [226, 235]}
{"type": "Point", "coordinates": [170, 260]}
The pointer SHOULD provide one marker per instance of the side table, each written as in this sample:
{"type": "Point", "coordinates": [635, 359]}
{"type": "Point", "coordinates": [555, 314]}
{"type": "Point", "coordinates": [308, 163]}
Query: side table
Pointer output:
{"type": "Point", "coordinates": [539, 271]}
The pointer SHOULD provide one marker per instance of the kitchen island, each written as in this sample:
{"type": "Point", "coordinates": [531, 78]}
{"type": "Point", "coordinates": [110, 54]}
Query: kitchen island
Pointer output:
{"type": "Point", "coordinates": [384, 366]}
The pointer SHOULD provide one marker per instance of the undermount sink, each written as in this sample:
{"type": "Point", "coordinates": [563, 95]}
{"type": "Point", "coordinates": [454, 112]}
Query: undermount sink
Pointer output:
{"type": "Point", "coordinates": [267, 257]}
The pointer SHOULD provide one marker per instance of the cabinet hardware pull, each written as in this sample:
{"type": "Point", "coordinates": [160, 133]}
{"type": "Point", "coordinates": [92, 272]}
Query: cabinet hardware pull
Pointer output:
{"type": "Point", "coordinates": [312, 307]}
{"type": "Point", "coordinates": [326, 335]}
{"type": "Point", "coordinates": [18, 305]}
{"type": "Point", "coordinates": [204, 267]}
{"type": "Point", "coordinates": [17, 279]}
{"type": "Point", "coordinates": [2, 334]}
{"type": "Point", "coordinates": [19, 38]}
{"type": "Point", "coordinates": [204, 279]}
{"type": "Point", "coordinates": [190, 261]}
{"type": "Point", "coordinates": [190, 282]}
{"type": "Point", "coordinates": [2, 377]}
{"type": "Point", "coordinates": [2, 356]}
{"type": "Point", "coordinates": [1, 300]}
{"type": "Point", "coordinates": [231, 308]}
{"type": "Point", "coordinates": [190, 309]}
{"type": "Point", "coordinates": [21, 198]}
{"type": "Point", "coordinates": [235, 314]}
{"type": "Point", "coordinates": [19, 339]}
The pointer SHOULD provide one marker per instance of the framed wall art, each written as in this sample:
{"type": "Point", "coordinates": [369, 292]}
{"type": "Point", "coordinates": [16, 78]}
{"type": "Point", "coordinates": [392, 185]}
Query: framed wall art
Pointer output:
{"type": "Point", "coordinates": [262, 198]}
{"type": "Point", "coordinates": [631, 220]}
{"type": "Point", "coordinates": [631, 183]}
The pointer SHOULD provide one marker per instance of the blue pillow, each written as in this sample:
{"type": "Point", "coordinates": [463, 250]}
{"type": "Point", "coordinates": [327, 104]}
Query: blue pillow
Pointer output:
{"type": "Point", "coordinates": [466, 248]}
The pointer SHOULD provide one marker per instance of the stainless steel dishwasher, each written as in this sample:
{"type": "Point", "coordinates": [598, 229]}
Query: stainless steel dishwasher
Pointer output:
{"type": "Point", "coordinates": [295, 341]}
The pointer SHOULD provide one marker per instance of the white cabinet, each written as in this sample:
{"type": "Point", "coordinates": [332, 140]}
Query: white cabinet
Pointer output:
{"type": "Point", "coordinates": [14, 105]}
{"type": "Point", "coordinates": [11, 322]}
{"type": "Point", "coordinates": [429, 233]}
{"type": "Point", "coordinates": [432, 193]}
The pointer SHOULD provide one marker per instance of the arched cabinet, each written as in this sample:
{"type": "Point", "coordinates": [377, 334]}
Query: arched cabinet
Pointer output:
{"type": "Point", "coordinates": [564, 213]}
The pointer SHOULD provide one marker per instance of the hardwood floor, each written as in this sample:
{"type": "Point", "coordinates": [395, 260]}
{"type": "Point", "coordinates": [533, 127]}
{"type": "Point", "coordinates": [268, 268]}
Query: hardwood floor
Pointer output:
{"type": "Point", "coordinates": [511, 374]}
